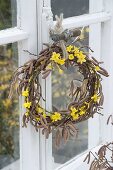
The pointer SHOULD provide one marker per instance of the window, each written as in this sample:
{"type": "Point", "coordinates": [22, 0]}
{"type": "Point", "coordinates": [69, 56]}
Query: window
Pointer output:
{"type": "Point", "coordinates": [70, 7]}
{"type": "Point", "coordinates": [68, 157]}
{"type": "Point", "coordinates": [9, 111]}
{"type": "Point", "coordinates": [8, 14]}
{"type": "Point", "coordinates": [28, 32]}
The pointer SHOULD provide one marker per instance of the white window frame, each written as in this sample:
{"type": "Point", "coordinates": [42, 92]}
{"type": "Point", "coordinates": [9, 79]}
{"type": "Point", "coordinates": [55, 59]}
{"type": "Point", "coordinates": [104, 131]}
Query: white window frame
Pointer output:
{"type": "Point", "coordinates": [98, 19]}
{"type": "Point", "coordinates": [34, 21]}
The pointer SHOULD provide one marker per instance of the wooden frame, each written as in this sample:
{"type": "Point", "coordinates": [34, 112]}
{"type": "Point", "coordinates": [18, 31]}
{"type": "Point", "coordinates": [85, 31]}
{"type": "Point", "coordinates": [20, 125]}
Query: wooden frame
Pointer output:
{"type": "Point", "coordinates": [97, 17]}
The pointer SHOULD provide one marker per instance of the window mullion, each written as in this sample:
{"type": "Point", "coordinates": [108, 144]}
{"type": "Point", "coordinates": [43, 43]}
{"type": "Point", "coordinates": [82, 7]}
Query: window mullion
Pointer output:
{"type": "Point", "coordinates": [85, 20]}
{"type": "Point", "coordinates": [94, 125]}
{"type": "Point", "coordinates": [29, 139]}
{"type": "Point", "coordinates": [12, 35]}
{"type": "Point", "coordinates": [107, 57]}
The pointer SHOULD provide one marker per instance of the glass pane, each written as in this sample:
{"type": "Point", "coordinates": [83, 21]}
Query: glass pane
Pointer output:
{"type": "Point", "coordinates": [70, 7]}
{"type": "Point", "coordinates": [8, 14]}
{"type": "Point", "coordinates": [60, 98]}
{"type": "Point", "coordinates": [9, 110]}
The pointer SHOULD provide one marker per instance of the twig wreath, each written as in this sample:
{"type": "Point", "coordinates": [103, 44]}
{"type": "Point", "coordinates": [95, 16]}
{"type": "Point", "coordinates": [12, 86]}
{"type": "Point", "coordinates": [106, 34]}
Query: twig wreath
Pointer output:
{"type": "Point", "coordinates": [87, 99]}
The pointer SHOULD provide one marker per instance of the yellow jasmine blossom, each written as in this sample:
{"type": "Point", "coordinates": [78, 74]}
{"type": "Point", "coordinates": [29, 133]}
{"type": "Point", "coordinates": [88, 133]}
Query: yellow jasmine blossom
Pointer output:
{"type": "Point", "coordinates": [71, 56]}
{"type": "Point", "coordinates": [37, 118]}
{"type": "Point", "coordinates": [76, 51]}
{"type": "Point", "coordinates": [97, 68]}
{"type": "Point", "coordinates": [74, 116]}
{"type": "Point", "coordinates": [74, 113]}
{"type": "Point", "coordinates": [56, 116]}
{"type": "Point", "coordinates": [82, 112]}
{"type": "Point", "coordinates": [81, 58]}
{"type": "Point", "coordinates": [82, 108]}
{"type": "Point", "coordinates": [41, 110]}
{"type": "Point", "coordinates": [95, 97]}
{"type": "Point", "coordinates": [27, 105]}
{"type": "Point", "coordinates": [69, 48]}
{"type": "Point", "coordinates": [25, 93]}
{"type": "Point", "coordinates": [57, 58]}
{"type": "Point", "coordinates": [61, 61]}
{"type": "Point", "coordinates": [73, 109]}
{"type": "Point", "coordinates": [27, 113]}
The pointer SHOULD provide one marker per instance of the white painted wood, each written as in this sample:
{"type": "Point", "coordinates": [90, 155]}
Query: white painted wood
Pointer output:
{"type": "Point", "coordinates": [46, 144]}
{"type": "Point", "coordinates": [85, 20]}
{"type": "Point", "coordinates": [107, 57]}
{"type": "Point", "coordinates": [29, 139]}
{"type": "Point", "coordinates": [95, 43]}
{"type": "Point", "coordinates": [47, 3]}
{"type": "Point", "coordinates": [12, 35]}
{"type": "Point", "coordinates": [94, 19]}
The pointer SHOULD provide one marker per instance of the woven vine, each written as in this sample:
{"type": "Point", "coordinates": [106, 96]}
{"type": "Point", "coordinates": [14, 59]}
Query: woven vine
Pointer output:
{"type": "Point", "coordinates": [87, 99]}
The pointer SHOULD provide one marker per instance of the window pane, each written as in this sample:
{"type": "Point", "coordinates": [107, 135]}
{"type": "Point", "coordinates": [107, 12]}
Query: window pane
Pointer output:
{"type": "Point", "coordinates": [70, 7]}
{"type": "Point", "coordinates": [60, 98]}
{"type": "Point", "coordinates": [9, 110]}
{"type": "Point", "coordinates": [8, 14]}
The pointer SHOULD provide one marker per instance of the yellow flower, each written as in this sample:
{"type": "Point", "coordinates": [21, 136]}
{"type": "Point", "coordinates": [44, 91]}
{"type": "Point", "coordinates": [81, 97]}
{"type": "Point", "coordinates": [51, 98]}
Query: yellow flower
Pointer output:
{"type": "Point", "coordinates": [97, 68]}
{"type": "Point", "coordinates": [69, 48]}
{"type": "Point", "coordinates": [44, 115]}
{"type": "Point", "coordinates": [73, 109]}
{"type": "Point", "coordinates": [74, 113]}
{"type": "Point", "coordinates": [27, 105]}
{"type": "Point", "coordinates": [27, 113]}
{"type": "Point", "coordinates": [56, 116]}
{"type": "Point", "coordinates": [75, 116]}
{"type": "Point", "coordinates": [57, 58]}
{"type": "Point", "coordinates": [61, 61]}
{"type": "Point", "coordinates": [71, 56]}
{"type": "Point", "coordinates": [25, 93]}
{"type": "Point", "coordinates": [76, 50]}
{"type": "Point", "coordinates": [82, 108]}
{"type": "Point", "coordinates": [82, 112]}
{"type": "Point", "coordinates": [81, 58]}
{"type": "Point", "coordinates": [41, 110]}
{"type": "Point", "coordinates": [95, 97]}
{"type": "Point", "coordinates": [37, 118]}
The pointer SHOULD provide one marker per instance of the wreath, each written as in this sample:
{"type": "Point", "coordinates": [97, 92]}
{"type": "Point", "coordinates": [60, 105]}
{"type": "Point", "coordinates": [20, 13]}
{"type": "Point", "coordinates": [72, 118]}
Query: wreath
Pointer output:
{"type": "Point", "coordinates": [58, 56]}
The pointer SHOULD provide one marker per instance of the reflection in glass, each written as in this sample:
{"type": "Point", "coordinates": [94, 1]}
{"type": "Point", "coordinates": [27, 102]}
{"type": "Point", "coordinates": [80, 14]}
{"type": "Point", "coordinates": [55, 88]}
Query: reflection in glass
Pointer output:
{"type": "Point", "coordinates": [60, 98]}
{"type": "Point", "coordinates": [70, 7]}
{"type": "Point", "coordinates": [9, 111]}
{"type": "Point", "coordinates": [8, 13]}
